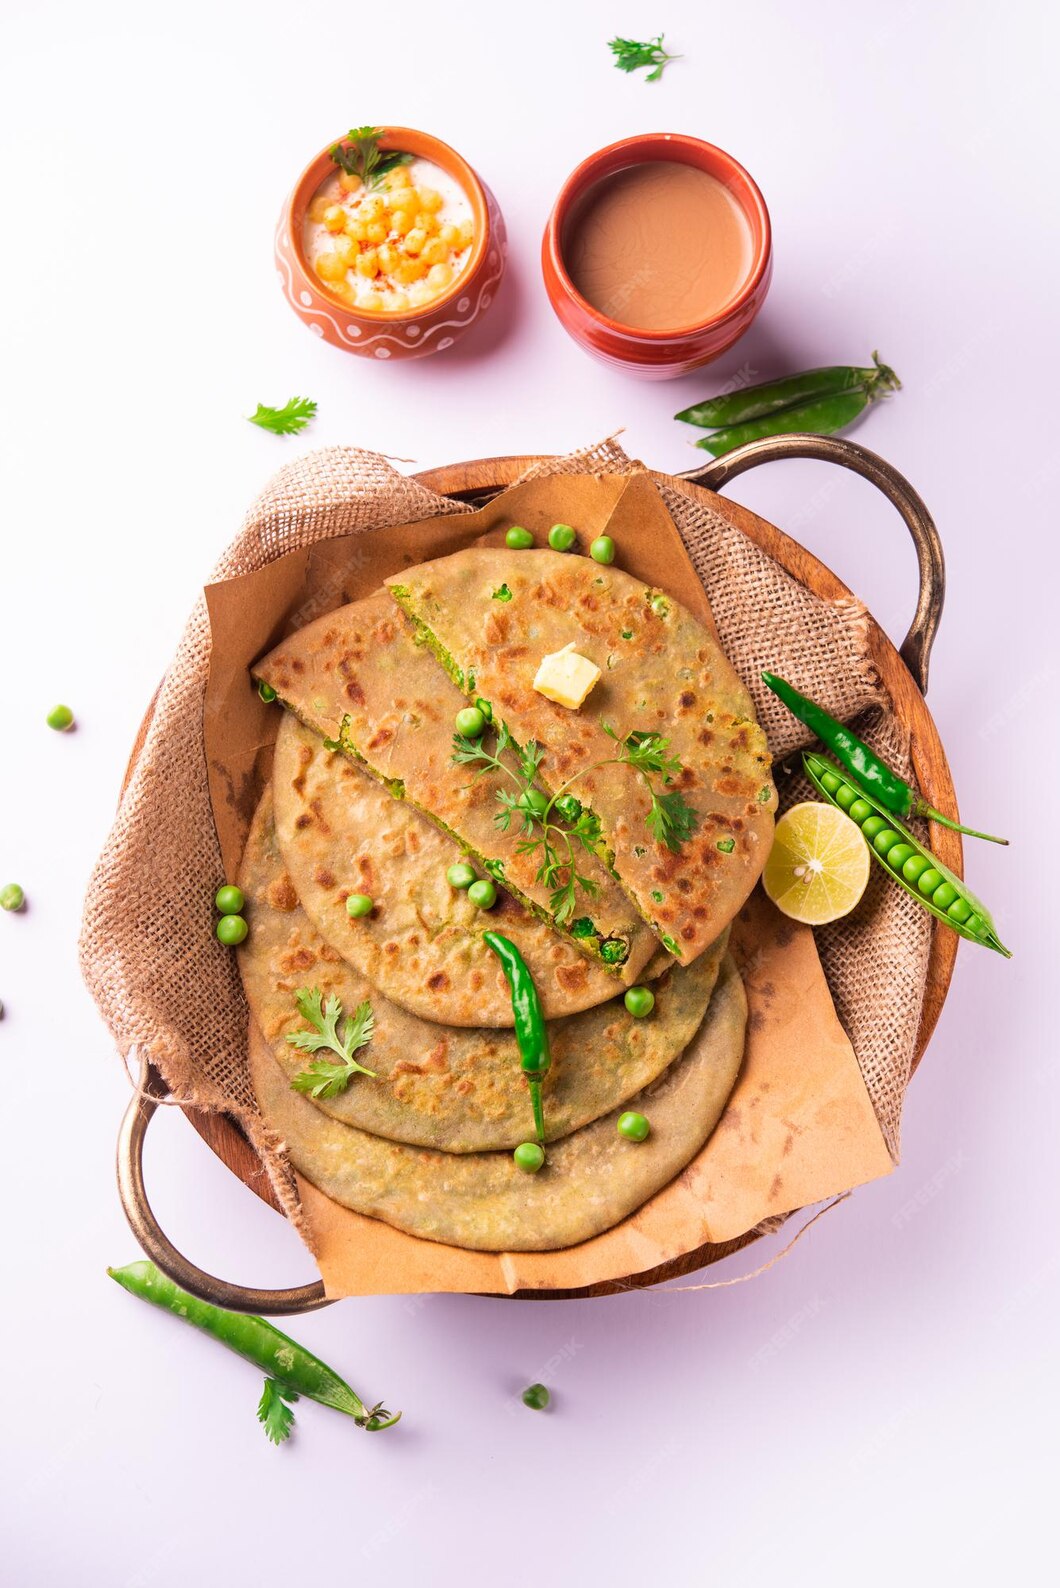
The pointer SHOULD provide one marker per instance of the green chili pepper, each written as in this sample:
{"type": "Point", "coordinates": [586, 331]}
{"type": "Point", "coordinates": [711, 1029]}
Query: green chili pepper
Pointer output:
{"type": "Point", "coordinates": [770, 397]}
{"type": "Point", "coordinates": [905, 860]}
{"type": "Point", "coordinates": [892, 792]}
{"type": "Point", "coordinates": [531, 1032]}
{"type": "Point", "coordinates": [257, 1341]}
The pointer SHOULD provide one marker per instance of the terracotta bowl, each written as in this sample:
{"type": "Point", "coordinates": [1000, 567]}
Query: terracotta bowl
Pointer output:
{"type": "Point", "coordinates": [658, 355]}
{"type": "Point", "coordinates": [414, 333]}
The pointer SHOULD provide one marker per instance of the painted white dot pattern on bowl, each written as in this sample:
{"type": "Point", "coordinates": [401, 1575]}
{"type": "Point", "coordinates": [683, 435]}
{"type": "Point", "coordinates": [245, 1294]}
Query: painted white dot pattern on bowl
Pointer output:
{"type": "Point", "coordinates": [412, 332]}
{"type": "Point", "coordinates": [463, 306]}
{"type": "Point", "coordinates": [306, 298]}
{"type": "Point", "coordinates": [353, 330]}
{"type": "Point", "coordinates": [447, 341]}
{"type": "Point", "coordinates": [382, 352]}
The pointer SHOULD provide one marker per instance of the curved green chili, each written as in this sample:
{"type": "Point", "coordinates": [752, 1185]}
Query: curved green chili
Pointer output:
{"type": "Point", "coordinates": [905, 859]}
{"type": "Point", "coordinates": [770, 397]}
{"type": "Point", "coordinates": [276, 1354]}
{"type": "Point", "coordinates": [873, 774]}
{"type": "Point", "coordinates": [531, 1032]}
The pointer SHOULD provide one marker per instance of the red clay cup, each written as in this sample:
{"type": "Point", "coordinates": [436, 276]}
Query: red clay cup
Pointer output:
{"type": "Point", "coordinates": [408, 333]}
{"type": "Point", "coordinates": [658, 355]}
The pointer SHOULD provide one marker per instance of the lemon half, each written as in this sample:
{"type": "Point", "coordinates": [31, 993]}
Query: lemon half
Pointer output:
{"type": "Point", "coordinates": [818, 866]}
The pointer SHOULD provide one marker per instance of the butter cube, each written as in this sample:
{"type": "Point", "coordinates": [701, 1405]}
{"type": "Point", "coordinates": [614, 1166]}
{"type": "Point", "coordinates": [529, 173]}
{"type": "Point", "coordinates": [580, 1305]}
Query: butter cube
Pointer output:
{"type": "Point", "coordinates": [566, 677]}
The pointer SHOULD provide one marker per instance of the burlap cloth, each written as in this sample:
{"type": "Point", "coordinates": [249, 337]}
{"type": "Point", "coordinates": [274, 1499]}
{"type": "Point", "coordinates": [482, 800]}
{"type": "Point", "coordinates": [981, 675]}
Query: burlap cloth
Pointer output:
{"type": "Point", "coordinates": [146, 947]}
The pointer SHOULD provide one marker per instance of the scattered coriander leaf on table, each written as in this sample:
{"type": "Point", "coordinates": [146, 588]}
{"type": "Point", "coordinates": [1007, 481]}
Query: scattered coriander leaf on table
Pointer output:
{"type": "Point", "coordinates": [275, 1416]}
{"type": "Point", "coordinates": [631, 54]}
{"type": "Point", "coordinates": [286, 421]}
{"type": "Point", "coordinates": [324, 1079]}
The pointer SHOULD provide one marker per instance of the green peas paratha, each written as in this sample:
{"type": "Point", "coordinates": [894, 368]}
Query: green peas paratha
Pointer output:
{"type": "Point", "coordinates": [358, 677]}
{"type": "Point", "coordinates": [661, 673]}
{"type": "Point", "coordinates": [341, 832]}
{"type": "Point", "coordinates": [590, 1182]}
{"type": "Point", "coordinates": [451, 1088]}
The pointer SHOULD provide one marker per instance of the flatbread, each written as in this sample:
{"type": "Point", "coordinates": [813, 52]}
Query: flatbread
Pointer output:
{"type": "Point", "coordinates": [662, 672]}
{"type": "Point", "coordinates": [591, 1180]}
{"type": "Point", "coordinates": [457, 1089]}
{"type": "Point", "coordinates": [341, 832]}
{"type": "Point", "coordinates": [358, 677]}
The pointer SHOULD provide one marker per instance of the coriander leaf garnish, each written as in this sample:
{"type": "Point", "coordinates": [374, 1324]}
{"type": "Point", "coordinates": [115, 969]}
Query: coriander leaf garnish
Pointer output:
{"type": "Point", "coordinates": [275, 1416]}
{"type": "Point", "coordinates": [631, 54]}
{"type": "Point", "coordinates": [554, 842]}
{"type": "Point", "coordinates": [324, 1079]}
{"type": "Point", "coordinates": [363, 157]}
{"type": "Point", "coordinates": [288, 420]}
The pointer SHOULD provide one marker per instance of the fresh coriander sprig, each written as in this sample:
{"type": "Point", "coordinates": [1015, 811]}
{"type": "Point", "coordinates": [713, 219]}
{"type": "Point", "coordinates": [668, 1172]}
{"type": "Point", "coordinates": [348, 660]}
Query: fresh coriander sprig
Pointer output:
{"type": "Point", "coordinates": [670, 819]}
{"type": "Point", "coordinates": [288, 420]}
{"type": "Point", "coordinates": [363, 157]}
{"type": "Point", "coordinates": [631, 54]}
{"type": "Point", "coordinates": [323, 1078]}
{"type": "Point", "coordinates": [275, 1416]}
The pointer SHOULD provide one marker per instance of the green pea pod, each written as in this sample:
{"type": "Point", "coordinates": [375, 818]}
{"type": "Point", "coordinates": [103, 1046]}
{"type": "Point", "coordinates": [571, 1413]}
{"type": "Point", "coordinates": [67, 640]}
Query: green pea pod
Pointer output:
{"type": "Point", "coordinates": [770, 397]}
{"type": "Point", "coordinates": [821, 417]}
{"type": "Point", "coordinates": [904, 857]}
{"type": "Point", "coordinates": [258, 1342]}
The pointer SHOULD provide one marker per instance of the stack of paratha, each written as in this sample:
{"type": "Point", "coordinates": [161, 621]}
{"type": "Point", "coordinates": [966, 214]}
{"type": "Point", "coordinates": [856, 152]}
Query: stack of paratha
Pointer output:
{"type": "Point", "coordinates": [366, 798]}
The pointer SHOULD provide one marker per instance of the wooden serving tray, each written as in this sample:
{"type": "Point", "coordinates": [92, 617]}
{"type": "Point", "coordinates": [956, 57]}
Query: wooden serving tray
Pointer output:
{"type": "Point", "coordinates": [904, 676]}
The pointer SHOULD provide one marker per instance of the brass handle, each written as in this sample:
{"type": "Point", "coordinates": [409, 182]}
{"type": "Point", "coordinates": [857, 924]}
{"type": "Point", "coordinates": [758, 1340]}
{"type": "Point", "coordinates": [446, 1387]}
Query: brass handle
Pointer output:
{"type": "Point", "coordinates": [915, 649]}
{"type": "Point", "coordinates": [149, 1233]}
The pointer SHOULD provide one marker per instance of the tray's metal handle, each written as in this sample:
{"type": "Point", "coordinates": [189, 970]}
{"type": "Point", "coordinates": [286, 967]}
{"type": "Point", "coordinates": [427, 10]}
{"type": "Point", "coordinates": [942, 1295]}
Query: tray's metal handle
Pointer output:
{"type": "Point", "coordinates": [157, 1245]}
{"type": "Point", "coordinates": [915, 649]}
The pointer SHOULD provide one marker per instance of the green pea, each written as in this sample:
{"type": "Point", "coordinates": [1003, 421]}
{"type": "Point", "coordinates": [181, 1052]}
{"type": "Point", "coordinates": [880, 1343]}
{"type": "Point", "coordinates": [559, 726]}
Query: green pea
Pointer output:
{"type": "Point", "coordinates": [561, 537]}
{"type": "Point", "coordinates": [482, 894]}
{"type": "Point", "coordinates": [898, 854]}
{"type": "Point", "coordinates": [928, 881]}
{"type": "Point", "coordinates": [885, 841]}
{"type": "Point", "coordinates": [974, 925]}
{"type": "Point", "coordinates": [640, 1001]}
{"type": "Point", "coordinates": [830, 782]}
{"type": "Point", "coordinates": [12, 897]}
{"type": "Point", "coordinates": [536, 1397]}
{"type": "Point", "coordinates": [873, 826]}
{"type": "Point", "coordinates": [229, 899]}
{"type": "Point", "coordinates": [914, 867]}
{"type": "Point", "coordinates": [569, 807]}
{"type": "Point", "coordinates": [518, 538]}
{"type": "Point", "coordinates": [633, 1126]}
{"type": "Point", "coordinates": [660, 606]}
{"type": "Point", "coordinates": [266, 691]}
{"type": "Point", "coordinates": [602, 549]}
{"type": "Point", "coordinates": [529, 1157]}
{"type": "Point", "coordinates": [485, 708]}
{"type": "Point", "coordinates": [470, 723]}
{"type": "Point", "coordinates": [359, 905]}
{"type": "Point", "coordinates": [944, 895]}
{"type": "Point", "coordinates": [534, 801]}
{"type": "Point", "coordinates": [845, 796]}
{"type": "Point", "coordinates": [231, 929]}
{"type": "Point", "coordinates": [960, 911]}
{"type": "Point", "coordinates": [460, 875]}
{"type": "Point", "coordinates": [860, 811]}
{"type": "Point", "coordinates": [60, 718]}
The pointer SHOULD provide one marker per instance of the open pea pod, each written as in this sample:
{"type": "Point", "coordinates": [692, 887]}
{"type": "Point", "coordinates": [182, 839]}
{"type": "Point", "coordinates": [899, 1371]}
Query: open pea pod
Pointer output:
{"type": "Point", "coordinates": [905, 859]}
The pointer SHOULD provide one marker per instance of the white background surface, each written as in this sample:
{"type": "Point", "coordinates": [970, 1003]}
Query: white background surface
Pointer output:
{"type": "Point", "coordinates": [883, 1403]}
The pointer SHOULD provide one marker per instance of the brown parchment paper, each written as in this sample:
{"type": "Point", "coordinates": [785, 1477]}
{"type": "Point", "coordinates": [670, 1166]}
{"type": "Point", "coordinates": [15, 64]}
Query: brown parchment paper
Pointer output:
{"type": "Point", "coordinates": [800, 1126]}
